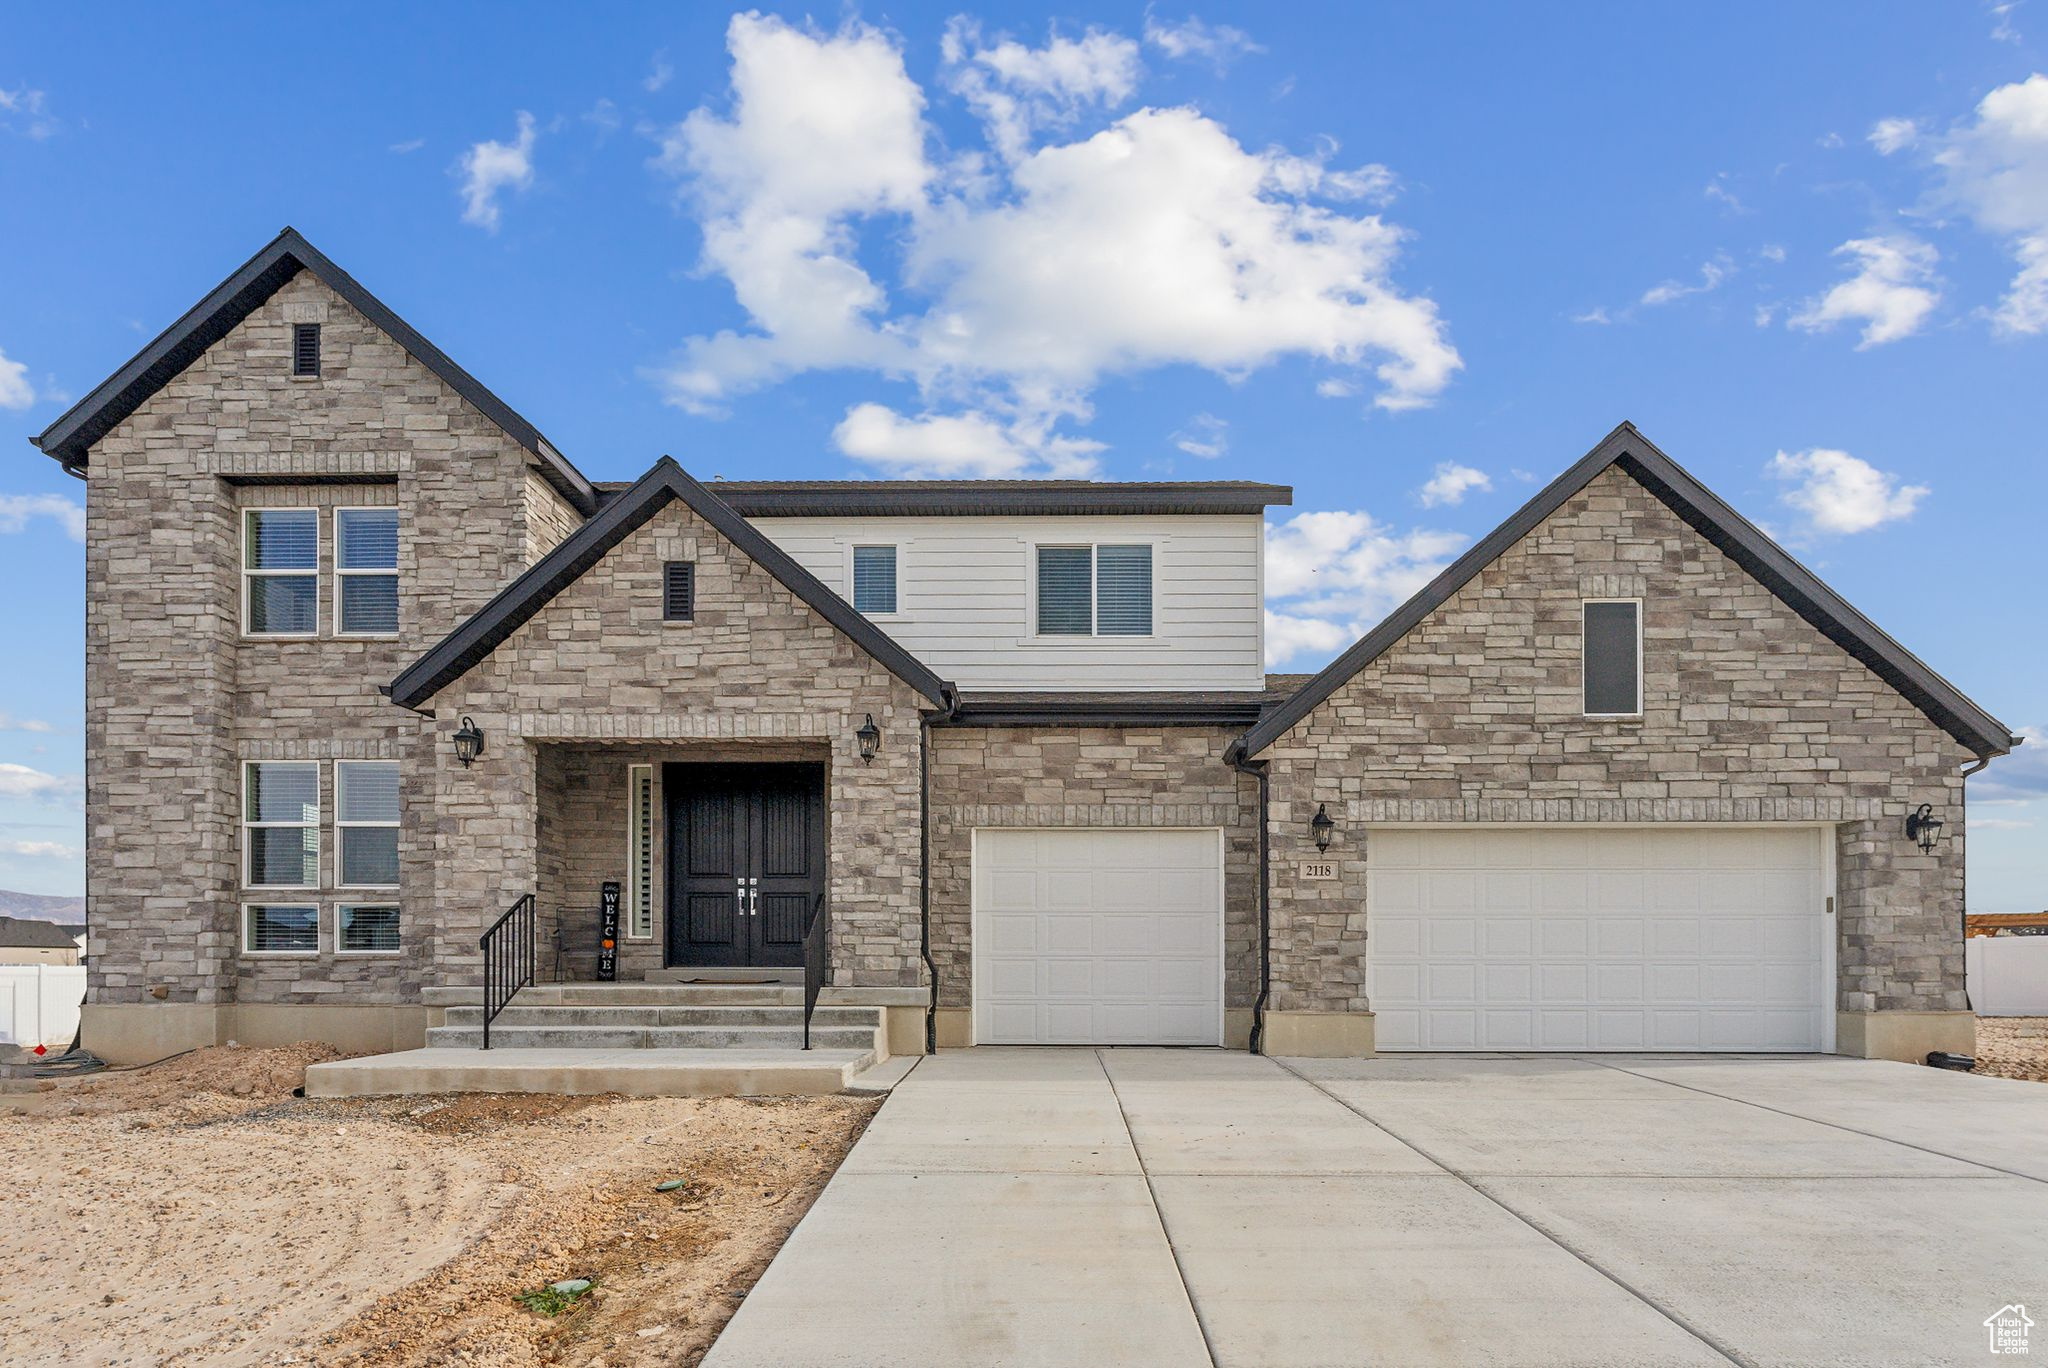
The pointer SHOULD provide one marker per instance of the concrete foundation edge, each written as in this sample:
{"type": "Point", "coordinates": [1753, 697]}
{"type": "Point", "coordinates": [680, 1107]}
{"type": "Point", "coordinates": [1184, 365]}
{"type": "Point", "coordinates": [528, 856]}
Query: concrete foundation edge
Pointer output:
{"type": "Point", "coordinates": [1318, 1035]}
{"type": "Point", "coordinates": [1904, 1036]}
{"type": "Point", "coordinates": [141, 1032]}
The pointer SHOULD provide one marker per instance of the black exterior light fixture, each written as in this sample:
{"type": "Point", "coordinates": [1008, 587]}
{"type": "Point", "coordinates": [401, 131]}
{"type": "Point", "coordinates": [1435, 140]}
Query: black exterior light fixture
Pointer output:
{"type": "Point", "coordinates": [870, 738]}
{"type": "Point", "coordinates": [1322, 826]}
{"type": "Point", "coordinates": [469, 742]}
{"type": "Point", "coordinates": [1923, 827]}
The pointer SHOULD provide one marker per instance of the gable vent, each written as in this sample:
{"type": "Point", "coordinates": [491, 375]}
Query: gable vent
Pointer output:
{"type": "Point", "coordinates": [679, 591]}
{"type": "Point", "coordinates": [305, 349]}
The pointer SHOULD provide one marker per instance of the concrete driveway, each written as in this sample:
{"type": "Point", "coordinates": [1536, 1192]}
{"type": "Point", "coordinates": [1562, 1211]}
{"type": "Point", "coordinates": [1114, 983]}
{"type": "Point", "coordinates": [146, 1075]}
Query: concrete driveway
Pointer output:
{"type": "Point", "coordinates": [1184, 1207]}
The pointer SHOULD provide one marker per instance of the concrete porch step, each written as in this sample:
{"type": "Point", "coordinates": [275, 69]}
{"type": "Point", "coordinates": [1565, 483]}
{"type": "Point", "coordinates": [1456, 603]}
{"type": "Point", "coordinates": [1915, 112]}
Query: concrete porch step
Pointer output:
{"type": "Point", "coordinates": [524, 1013]}
{"type": "Point", "coordinates": [632, 1073]}
{"type": "Point", "coordinates": [630, 995]}
{"type": "Point", "coordinates": [652, 1037]}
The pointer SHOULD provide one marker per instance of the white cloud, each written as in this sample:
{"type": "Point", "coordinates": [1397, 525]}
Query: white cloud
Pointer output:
{"type": "Point", "coordinates": [1997, 169]}
{"type": "Point", "coordinates": [1017, 91]}
{"type": "Point", "coordinates": [1772, 252]}
{"type": "Point", "coordinates": [2002, 30]}
{"type": "Point", "coordinates": [1334, 388]}
{"type": "Point", "coordinates": [19, 781]}
{"type": "Point", "coordinates": [1596, 315]}
{"type": "Point", "coordinates": [1026, 279]}
{"type": "Point", "coordinates": [2016, 778]}
{"type": "Point", "coordinates": [1829, 140]}
{"type": "Point", "coordinates": [491, 167]}
{"type": "Point", "coordinates": [27, 724]}
{"type": "Point", "coordinates": [1330, 576]}
{"type": "Point", "coordinates": [970, 444]}
{"type": "Point", "coordinates": [1451, 483]}
{"type": "Point", "coordinates": [1204, 435]}
{"type": "Point", "coordinates": [1891, 292]}
{"type": "Point", "coordinates": [1217, 44]}
{"type": "Point", "coordinates": [410, 145]}
{"type": "Point", "coordinates": [1889, 135]}
{"type": "Point", "coordinates": [26, 112]}
{"type": "Point", "coordinates": [1840, 494]}
{"type": "Point", "coordinates": [15, 390]}
{"type": "Point", "coordinates": [660, 73]}
{"type": "Point", "coordinates": [17, 509]}
{"type": "Point", "coordinates": [1712, 274]}
{"type": "Point", "coordinates": [1717, 189]}
{"type": "Point", "coordinates": [41, 850]}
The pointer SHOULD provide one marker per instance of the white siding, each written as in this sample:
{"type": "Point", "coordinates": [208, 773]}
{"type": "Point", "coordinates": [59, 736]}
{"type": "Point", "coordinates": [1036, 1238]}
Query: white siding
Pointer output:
{"type": "Point", "coordinates": [964, 597]}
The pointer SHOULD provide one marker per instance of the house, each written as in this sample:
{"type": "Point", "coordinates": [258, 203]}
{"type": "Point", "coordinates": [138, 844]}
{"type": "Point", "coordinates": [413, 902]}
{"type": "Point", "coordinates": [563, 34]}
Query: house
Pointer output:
{"type": "Point", "coordinates": [24, 940]}
{"type": "Point", "coordinates": [369, 662]}
{"type": "Point", "coordinates": [2006, 1329]}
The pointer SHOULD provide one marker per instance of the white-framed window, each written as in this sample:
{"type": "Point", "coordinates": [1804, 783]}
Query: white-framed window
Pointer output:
{"type": "Point", "coordinates": [874, 580]}
{"type": "Point", "coordinates": [639, 852]}
{"type": "Point", "coordinates": [281, 929]}
{"type": "Point", "coordinates": [1095, 590]}
{"type": "Point", "coordinates": [281, 572]}
{"type": "Point", "coordinates": [366, 823]}
{"type": "Point", "coordinates": [366, 571]}
{"type": "Point", "coordinates": [281, 824]}
{"type": "Point", "coordinates": [1612, 657]}
{"type": "Point", "coordinates": [366, 929]}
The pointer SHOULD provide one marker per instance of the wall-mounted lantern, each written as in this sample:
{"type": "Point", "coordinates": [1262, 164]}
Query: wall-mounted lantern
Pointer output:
{"type": "Point", "coordinates": [1322, 826]}
{"type": "Point", "coordinates": [469, 742]}
{"type": "Point", "coordinates": [870, 738]}
{"type": "Point", "coordinates": [1922, 827]}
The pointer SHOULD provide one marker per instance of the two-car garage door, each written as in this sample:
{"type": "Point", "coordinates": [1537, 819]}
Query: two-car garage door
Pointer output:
{"type": "Point", "coordinates": [1599, 938]}
{"type": "Point", "coordinates": [1098, 937]}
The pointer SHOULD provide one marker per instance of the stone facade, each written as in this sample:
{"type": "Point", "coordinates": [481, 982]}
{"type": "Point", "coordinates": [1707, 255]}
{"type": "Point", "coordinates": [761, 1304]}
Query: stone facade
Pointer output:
{"type": "Point", "coordinates": [1088, 777]}
{"type": "Point", "coordinates": [756, 673]}
{"type": "Point", "coordinates": [177, 697]}
{"type": "Point", "coordinates": [1749, 715]}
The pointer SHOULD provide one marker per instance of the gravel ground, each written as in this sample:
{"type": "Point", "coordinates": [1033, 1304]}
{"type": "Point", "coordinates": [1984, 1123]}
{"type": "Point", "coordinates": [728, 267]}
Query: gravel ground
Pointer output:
{"type": "Point", "coordinates": [195, 1212]}
{"type": "Point", "coordinates": [2013, 1047]}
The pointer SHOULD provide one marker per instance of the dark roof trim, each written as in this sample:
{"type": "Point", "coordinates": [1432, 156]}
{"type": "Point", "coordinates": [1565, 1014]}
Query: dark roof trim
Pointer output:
{"type": "Point", "coordinates": [1131, 710]}
{"type": "Point", "coordinates": [476, 638]}
{"type": "Point", "coordinates": [1736, 537]}
{"type": "Point", "coordinates": [988, 498]}
{"type": "Point", "coordinates": [71, 437]}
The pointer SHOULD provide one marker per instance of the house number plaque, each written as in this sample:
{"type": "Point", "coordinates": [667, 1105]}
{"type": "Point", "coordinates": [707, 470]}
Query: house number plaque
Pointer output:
{"type": "Point", "coordinates": [1318, 869]}
{"type": "Point", "coordinates": [608, 932]}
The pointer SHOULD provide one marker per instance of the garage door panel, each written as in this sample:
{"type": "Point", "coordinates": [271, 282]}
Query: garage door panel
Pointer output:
{"type": "Point", "coordinates": [1598, 938]}
{"type": "Point", "coordinates": [1098, 936]}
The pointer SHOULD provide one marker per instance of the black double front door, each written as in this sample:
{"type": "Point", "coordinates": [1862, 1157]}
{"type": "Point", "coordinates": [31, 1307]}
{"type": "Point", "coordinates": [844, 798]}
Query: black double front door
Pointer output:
{"type": "Point", "coordinates": [746, 862]}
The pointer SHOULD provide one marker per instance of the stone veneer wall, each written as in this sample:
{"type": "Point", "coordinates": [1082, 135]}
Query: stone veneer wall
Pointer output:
{"type": "Point", "coordinates": [1087, 777]}
{"type": "Point", "coordinates": [1750, 715]}
{"type": "Point", "coordinates": [176, 698]}
{"type": "Point", "coordinates": [756, 671]}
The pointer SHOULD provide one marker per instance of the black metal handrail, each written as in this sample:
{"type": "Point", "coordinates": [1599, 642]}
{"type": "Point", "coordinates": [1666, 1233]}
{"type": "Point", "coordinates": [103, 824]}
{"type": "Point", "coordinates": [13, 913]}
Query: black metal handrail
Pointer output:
{"type": "Point", "coordinates": [509, 957]}
{"type": "Point", "coordinates": [814, 963]}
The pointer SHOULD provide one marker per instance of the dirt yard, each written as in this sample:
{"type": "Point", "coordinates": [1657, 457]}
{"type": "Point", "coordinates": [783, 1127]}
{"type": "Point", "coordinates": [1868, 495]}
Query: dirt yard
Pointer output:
{"type": "Point", "coordinates": [2013, 1047]}
{"type": "Point", "coordinates": [195, 1212]}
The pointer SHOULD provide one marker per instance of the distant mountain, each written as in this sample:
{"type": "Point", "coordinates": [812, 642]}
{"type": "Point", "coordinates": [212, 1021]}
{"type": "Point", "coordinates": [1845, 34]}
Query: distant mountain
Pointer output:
{"type": "Point", "coordinates": [43, 907]}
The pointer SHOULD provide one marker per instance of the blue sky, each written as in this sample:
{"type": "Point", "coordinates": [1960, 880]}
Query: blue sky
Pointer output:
{"type": "Point", "coordinates": [1409, 259]}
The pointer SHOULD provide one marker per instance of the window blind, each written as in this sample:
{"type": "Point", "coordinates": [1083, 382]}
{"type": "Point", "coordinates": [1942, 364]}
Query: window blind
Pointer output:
{"type": "Point", "coordinates": [1065, 591]}
{"type": "Point", "coordinates": [874, 579]}
{"type": "Point", "coordinates": [1123, 590]}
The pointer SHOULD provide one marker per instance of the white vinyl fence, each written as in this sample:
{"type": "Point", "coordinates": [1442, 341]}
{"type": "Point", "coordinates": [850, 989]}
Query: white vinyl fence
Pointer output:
{"type": "Point", "coordinates": [39, 1004]}
{"type": "Point", "coordinates": [2008, 975]}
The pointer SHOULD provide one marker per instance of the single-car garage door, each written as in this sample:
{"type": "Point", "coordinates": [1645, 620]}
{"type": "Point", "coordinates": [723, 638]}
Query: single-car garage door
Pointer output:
{"type": "Point", "coordinates": [1599, 938]}
{"type": "Point", "coordinates": [1098, 937]}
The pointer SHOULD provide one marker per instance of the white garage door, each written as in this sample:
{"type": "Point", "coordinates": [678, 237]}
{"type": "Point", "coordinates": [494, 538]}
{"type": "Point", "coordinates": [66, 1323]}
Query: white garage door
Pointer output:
{"type": "Point", "coordinates": [1098, 937]}
{"type": "Point", "coordinates": [1599, 939]}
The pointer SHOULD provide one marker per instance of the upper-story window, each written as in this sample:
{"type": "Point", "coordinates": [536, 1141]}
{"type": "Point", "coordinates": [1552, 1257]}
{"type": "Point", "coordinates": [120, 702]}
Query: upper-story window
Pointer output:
{"type": "Point", "coordinates": [1613, 657]}
{"type": "Point", "coordinates": [366, 570]}
{"type": "Point", "coordinates": [281, 571]}
{"type": "Point", "coordinates": [1102, 590]}
{"type": "Point", "coordinates": [874, 579]}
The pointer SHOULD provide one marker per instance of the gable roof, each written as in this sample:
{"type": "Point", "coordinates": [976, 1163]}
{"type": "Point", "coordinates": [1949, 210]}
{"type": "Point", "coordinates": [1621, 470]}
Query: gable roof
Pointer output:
{"type": "Point", "coordinates": [619, 517]}
{"type": "Point", "coordinates": [27, 933]}
{"type": "Point", "coordinates": [1728, 530]}
{"type": "Point", "coordinates": [71, 437]}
